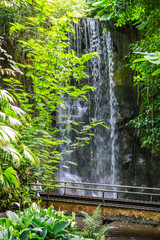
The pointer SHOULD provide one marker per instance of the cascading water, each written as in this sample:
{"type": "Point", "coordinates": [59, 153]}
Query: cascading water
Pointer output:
{"type": "Point", "coordinates": [113, 111]}
{"type": "Point", "coordinates": [96, 162]}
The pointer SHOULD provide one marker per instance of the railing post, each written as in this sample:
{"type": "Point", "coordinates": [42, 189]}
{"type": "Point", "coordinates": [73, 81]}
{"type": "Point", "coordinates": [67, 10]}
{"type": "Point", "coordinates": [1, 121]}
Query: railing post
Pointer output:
{"type": "Point", "coordinates": [117, 192]}
{"type": "Point", "coordinates": [151, 198]}
{"type": "Point", "coordinates": [65, 188]}
{"type": "Point", "coordinates": [48, 192]}
{"type": "Point", "coordinates": [103, 196]}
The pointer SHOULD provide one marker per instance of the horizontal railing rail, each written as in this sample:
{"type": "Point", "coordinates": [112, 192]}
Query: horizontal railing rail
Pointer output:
{"type": "Point", "coordinates": [107, 185]}
{"type": "Point", "coordinates": [118, 189]}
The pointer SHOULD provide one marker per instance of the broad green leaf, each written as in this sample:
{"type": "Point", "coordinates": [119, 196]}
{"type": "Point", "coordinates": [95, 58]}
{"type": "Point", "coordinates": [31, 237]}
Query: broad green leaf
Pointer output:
{"type": "Point", "coordinates": [9, 223]}
{"type": "Point", "coordinates": [6, 234]}
{"type": "Point", "coordinates": [12, 216]}
{"type": "Point", "coordinates": [156, 72]}
{"type": "Point", "coordinates": [26, 221]}
{"type": "Point", "coordinates": [101, 12]}
{"type": "Point", "coordinates": [60, 226]}
{"type": "Point", "coordinates": [139, 60]}
{"type": "Point", "coordinates": [106, 17]}
{"type": "Point", "coordinates": [36, 222]}
{"type": "Point", "coordinates": [97, 4]}
{"type": "Point", "coordinates": [12, 237]}
{"type": "Point", "coordinates": [2, 221]}
{"type": "Point", "coordinates": [43, 234]}
{"type": "Point", "coordinates": [29, 73]}
{"type": "Point", "coordinates": [90, 1]}
{"type": "Point", "coordinates": [24, 235]}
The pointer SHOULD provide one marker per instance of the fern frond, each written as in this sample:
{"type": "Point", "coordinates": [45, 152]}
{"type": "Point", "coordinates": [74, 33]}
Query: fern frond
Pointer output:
{"type": "Point", "coordinates": [101, 232]}
{"type": "Point", "coordinates": [93, 227]}
{"type": "Point", "coordinates": [97, 215]}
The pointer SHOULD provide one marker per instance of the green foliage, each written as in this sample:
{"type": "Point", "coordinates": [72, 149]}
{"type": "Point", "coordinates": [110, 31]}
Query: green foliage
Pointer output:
{"type": "Point", "coordinates": [152, 58]}
{"type": "Point", "coordinates": [14, 155]}
{"type": "Point", "coordinates": [148, 119]}
{"type": "Point", "coordinates": [39, 33]}
{"type": "Point", "coordinates": [38, 223]}
{"type": "Point", "coordinates": [11, 151]}
{"type": "Point", "coordinates": [124, 11]}
{"type": "Point", "coordinates": [50, 67]}
{"type": "Point", "coordinates": [144, 59]}
{"type": "Point", "coordinates": [93, 228]}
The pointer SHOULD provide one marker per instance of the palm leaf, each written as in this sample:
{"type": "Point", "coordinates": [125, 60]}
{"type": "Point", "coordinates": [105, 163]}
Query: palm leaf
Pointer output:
{"type": "Point", "coordinates": [10, 149]}
{"type": "Point", "coordinates": [8, 133]}
{"type": "Point", "coordinates": [6, 96]}
{"type": "Point", "coordinates": [18, 111]}
{"type": "Point", "coordinates": [11, 176]}
{"type": "Point", "coordinates": [12, 121]}
{"type": "Point", "coordinates": [30, 155]}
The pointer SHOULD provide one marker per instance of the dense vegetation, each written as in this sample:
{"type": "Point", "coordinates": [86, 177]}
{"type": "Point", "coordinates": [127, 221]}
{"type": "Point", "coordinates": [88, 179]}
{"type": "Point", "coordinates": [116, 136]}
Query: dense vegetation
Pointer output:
{"type": "Point", "coordinates": [40, 223]}
{"type": "Point", "coordinates": [144, 59]}
{"type": "Point", "coordinates": [37, 70]}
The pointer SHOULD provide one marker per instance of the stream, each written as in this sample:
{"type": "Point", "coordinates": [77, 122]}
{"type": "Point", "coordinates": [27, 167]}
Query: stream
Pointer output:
{"type": "Point", "coordinates": [133, 231]}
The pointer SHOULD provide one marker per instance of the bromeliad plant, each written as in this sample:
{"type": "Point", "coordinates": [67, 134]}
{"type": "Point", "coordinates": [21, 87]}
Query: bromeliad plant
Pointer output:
{"type": "Point", "coordinates": [38, 223]}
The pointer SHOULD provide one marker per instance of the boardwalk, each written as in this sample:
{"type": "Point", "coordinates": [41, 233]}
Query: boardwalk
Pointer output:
{"type": "Point", "coordinates": [138, 202]}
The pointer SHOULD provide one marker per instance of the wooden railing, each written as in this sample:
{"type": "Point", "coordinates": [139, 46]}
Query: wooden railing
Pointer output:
{"type": "Point", "coordinates": [119, 190]}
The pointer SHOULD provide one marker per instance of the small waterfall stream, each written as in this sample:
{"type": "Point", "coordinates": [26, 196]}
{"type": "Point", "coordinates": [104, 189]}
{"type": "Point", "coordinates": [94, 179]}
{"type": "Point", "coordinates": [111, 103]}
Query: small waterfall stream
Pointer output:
{"type": "Point", "coordinates": [97, 161]}
{"type": "Point", "coordinates": [113, 111]}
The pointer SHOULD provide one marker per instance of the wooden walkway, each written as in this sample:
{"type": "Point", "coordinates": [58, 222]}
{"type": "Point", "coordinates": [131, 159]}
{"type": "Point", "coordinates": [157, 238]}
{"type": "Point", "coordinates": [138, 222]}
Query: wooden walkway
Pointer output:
{"type": "Point", "coordinates": [133, 201]}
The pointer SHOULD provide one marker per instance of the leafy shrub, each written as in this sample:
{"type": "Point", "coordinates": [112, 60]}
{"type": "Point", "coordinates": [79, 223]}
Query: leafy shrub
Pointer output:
{"type": "Point", "coordinates": [38, 223]}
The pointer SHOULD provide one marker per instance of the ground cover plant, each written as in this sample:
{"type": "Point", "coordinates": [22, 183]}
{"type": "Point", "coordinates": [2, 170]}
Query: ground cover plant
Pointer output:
{"type": "Point", "coordinates": [38, 223]}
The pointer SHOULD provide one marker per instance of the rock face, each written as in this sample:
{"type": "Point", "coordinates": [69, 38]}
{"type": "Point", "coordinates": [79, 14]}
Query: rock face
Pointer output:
{"type": "Point", "coordinates": [114, 155]}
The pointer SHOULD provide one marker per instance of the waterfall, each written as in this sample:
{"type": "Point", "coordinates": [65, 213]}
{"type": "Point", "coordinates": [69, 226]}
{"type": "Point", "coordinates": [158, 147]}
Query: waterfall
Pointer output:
{"type": "Point", "coordinates": [96, 162]}
{"type": "Point", "coordinates": [113, 111]}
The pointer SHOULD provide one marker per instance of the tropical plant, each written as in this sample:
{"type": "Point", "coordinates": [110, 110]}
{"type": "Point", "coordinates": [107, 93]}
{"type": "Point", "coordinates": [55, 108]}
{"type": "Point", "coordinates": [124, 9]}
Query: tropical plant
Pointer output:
{"type": "Point", "coordinates": [148, 119]}
{"type": "Point", "coordinates": [38, 223]}
{"type": "Point", "coordinates": [13, 153]}
{"type": "Point", "coordinates": [94, 228]}
{"type": "Point", "coordinates": [11, 149]}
